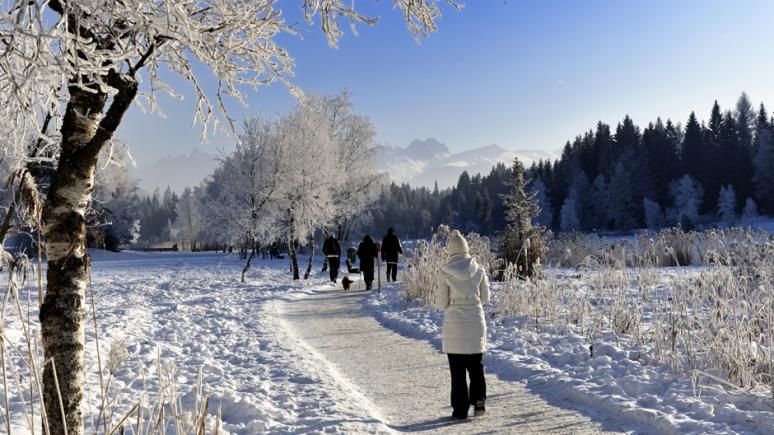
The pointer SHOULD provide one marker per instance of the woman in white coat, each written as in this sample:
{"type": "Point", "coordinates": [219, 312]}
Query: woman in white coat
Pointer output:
{"type": "Point", "coordinates": [461, 291]}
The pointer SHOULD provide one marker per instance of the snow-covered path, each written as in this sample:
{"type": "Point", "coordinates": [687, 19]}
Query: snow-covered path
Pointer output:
{"type": "Point", "coordinates": [405, 382]}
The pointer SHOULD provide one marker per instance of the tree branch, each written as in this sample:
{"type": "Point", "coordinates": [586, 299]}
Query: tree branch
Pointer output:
{"type": "Point", "coordinates": [127, 90]}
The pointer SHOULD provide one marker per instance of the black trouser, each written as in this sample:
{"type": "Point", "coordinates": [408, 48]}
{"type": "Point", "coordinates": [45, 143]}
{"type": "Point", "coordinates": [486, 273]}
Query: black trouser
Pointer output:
{"type": "Point", "coordinates": [392, 269]}
{"type": "Point", "coordinates": [333, 264]}
{"type": "Point", "coordinates": [368, 276]}
{"type": "Point", "coordinates": [461, 397]}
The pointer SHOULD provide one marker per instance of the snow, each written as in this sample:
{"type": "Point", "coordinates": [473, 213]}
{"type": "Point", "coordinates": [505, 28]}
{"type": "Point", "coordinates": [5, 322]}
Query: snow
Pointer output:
{"type": "Point", "coordinates": [277, 359]}
{"type": "Point", "coordinates": [620, 378]}
{"type": "Point", "coordinates": [191, 310]}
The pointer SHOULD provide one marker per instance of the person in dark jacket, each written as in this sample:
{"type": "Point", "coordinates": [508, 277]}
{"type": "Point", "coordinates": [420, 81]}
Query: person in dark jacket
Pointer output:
{"type": "Point", "coordinates": [391, 248]}
{"type": "Point", "coordinates": [367, 253]}
{"type": "Point", "coordinates": [332, 251]}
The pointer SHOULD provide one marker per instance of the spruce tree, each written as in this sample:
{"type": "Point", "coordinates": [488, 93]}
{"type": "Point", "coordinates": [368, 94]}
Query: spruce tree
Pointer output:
{"type": "Point", "coordinates": [521, 243]}
{"type": "Point", "coordinates": [693, 148]}
{"type": "Point", "coordinates": [745, 120]}
{"type": "Point", "coordinates": [622, 206]}
{"type": "Point", "coordinates": [599, 204]}
{"type": "Point", "coordinates": [764, 162]}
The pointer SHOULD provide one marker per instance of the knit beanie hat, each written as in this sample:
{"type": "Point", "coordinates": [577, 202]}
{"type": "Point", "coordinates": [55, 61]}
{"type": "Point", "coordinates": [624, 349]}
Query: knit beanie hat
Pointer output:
{"type": "Point", "coordinates": [456, 244]}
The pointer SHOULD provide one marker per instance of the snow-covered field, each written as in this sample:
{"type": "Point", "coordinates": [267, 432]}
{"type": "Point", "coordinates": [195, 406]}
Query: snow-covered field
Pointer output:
{"type": "Point", "coordinates": [621, 378]}
{"type": "Point", "coordinates": [186, 314]}
{"type": "Point", "coordinates": [189, 328]}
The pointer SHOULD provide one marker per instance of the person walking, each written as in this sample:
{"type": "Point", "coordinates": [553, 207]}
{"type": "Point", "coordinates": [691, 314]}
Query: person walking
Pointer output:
{"type": "Point", "coordinates": [332, 251]}
{"type": "Point", "coordinates": [367, 253]}
{"type": "Point", "coordinates": [391, 249]}
{"type": "Point", "coordinates": [461, 292]}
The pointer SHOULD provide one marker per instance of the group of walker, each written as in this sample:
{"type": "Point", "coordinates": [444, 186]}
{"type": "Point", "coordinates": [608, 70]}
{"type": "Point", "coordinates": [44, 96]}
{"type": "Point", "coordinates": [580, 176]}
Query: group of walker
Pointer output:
{"type": "Point", "coordinates": [461, 291]}
{"type": "Point", "coordinates": [368, 254]}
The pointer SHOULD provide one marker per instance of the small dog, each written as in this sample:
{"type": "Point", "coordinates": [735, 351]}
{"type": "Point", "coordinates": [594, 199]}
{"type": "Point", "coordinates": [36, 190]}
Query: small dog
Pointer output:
{"type": "Point", "coordinates": [346, 282]}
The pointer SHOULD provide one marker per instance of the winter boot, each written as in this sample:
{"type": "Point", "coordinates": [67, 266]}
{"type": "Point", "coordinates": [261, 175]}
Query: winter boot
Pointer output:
{"type": "Point", "coordinates": [478, 408]}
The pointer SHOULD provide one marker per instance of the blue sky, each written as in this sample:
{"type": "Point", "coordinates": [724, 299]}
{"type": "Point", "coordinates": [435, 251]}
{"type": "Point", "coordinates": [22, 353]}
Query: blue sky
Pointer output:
{"type": "Point", "coordinates": [521, 74]}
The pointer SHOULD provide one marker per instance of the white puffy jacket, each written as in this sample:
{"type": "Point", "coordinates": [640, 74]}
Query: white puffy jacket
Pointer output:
{"type": "Point", "coordinates": [461, 291]}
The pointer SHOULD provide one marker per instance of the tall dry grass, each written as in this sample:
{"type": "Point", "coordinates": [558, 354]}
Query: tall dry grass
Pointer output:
{"type": "Point", "coordinates": [712, 321]}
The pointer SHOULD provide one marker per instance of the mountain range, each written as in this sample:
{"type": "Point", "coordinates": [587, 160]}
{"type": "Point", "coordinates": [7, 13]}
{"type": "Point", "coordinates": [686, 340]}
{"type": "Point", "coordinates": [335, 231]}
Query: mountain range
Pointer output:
{"type": "Point", "coordinates": [425, 162]}
{"type": "Point", "coordinates": [421, 163]}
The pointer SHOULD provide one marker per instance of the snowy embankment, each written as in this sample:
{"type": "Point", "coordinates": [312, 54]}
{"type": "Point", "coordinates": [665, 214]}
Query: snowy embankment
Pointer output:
{"type": "Point", "coordinates": [185, 317]}
{"type": "Point", "coordinates": [621, 379]}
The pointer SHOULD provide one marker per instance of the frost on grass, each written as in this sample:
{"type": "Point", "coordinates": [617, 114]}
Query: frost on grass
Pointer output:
{"type": "Point", "coordinates": [426, 258]}
{"type": "Point", "coordinates": [714, 322]}
{"type": "Point", "coordinates": [664, 348]}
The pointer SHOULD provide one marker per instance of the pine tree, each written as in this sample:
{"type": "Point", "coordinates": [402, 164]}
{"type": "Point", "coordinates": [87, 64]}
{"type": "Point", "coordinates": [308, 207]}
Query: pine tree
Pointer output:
{"type": "Point", "coordinates": [745, 120]}
{"type": "Point", "coordinates": [713, 153]}
{"type": "Point", "coordinates": [484, 212]}
{"type": "Point", "coordinates": [599, 203]}
{"type": "Point", "coordinates": [604, 150]}
{"type": "Point", "coordinates": [627, 137]}
{"type": "Point", "coordinates": [521, 243]}
{"type": "Point", "coordinates": [693, 148]}
{"type": "Point", "coordinates": [764, 162]}
{"type": "Point", "coordinates": [622, 209]}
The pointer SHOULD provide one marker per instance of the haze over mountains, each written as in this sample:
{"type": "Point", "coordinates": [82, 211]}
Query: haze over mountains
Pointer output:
{"type": "Point", "coordinates": [424, 162]}
{"type": "Point", "coordinates": [176, 171]}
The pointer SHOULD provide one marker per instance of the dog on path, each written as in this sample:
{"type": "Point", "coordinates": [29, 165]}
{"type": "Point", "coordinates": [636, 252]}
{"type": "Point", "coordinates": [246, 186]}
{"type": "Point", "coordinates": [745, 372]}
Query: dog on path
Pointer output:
{"type": "Point", "coordinates": [346, 282]}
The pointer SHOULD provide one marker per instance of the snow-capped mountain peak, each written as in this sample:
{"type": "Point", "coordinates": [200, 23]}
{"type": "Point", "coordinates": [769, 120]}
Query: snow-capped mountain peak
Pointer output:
{"type": "Point", "coordinates": [425, 162]}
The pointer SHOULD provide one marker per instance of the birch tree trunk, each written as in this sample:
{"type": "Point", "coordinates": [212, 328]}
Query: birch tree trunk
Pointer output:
{"type": "Point", "coordinates": [62, 314]}
{"type": "Point", "coordinates": [247, 265]}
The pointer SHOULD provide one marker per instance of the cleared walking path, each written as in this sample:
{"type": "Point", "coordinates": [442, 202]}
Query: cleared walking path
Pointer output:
{"type": "Point", "coordinates": [405, 382]}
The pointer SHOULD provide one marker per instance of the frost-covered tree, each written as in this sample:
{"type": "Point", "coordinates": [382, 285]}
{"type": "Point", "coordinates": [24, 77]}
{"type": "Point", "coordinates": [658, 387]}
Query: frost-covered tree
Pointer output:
{"type": "Point", "coordinates": [189, 222]}
{"type": "Point", "coordinates": [727, 204]}
{"type": "Point", "coordinates": [686, 194]}
{"type": "Point", "coordinates": [521, 242]}
{"type": "Point", "coordinates": [569, 219]}
{"type": "Point", "coordinates": [750, 210]}
{"type": "Point", "coordinates": [239, 200]}
{"type": "Point", "coordinates": [95, 57]}
{"type": "Point", "coordinates": [305, 202]}
{"type": "Point", "coordinates": [654, 217]}
{"type": "Point", "coordinates": [358, 184]}
{"type": "Point", "coordinates": [114, 213]}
